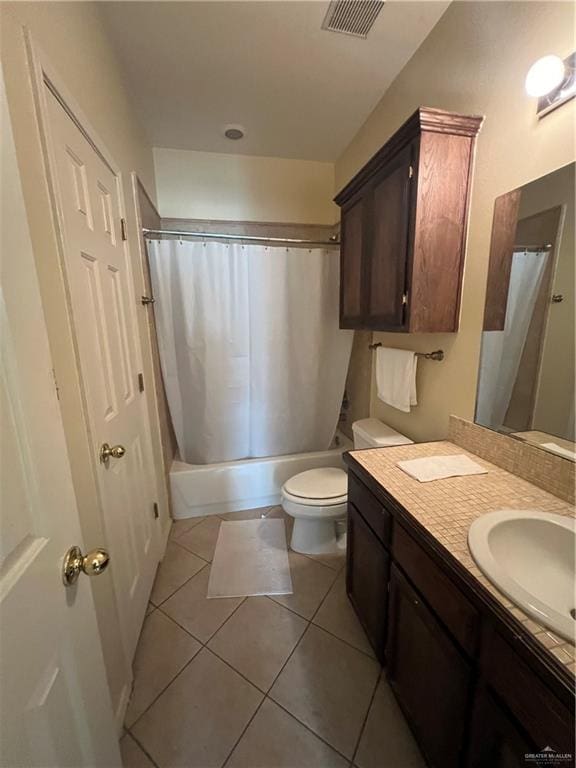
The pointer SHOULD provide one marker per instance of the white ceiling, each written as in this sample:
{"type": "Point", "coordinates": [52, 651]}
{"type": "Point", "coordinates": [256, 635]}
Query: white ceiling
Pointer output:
{"type": "Point", "coordinates": [299, 91]}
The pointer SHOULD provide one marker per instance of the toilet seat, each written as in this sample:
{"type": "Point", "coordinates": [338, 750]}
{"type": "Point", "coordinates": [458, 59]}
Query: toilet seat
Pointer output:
{"type": "Point", "coordinates": [323, 487]}
{"type": "Point", "coordinates": [314, 502]}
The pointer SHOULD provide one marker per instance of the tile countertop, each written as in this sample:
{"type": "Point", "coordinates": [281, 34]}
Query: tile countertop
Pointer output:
{"type": "Point", "coordinates": [446, 508]}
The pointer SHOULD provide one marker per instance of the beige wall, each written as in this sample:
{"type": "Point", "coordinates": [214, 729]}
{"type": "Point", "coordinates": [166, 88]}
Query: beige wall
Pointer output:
{"type": "Point", "coordinates": [150, 219]}
{"type": "Point", "coordinates": [206, 185]}
{"type": "Point", "coordinates": [73, 41]}
{"type": "Point", "coordinates": [554, 404]}
{"type": "Point", "coordinates": [474, 61]}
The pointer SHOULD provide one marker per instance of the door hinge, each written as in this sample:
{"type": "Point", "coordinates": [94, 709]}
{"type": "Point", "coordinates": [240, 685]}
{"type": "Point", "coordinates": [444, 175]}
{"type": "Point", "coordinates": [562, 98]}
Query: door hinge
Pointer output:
{"type": "Point", "coordinates": [147, 300]}
{"type": "Point", "coordinates": [404, 299]}
{"type": "Point", "coordinates": [141, 382]}
{"type": "Point", "coordinates": [156, 513]}
{"type": "Point", "coordinates": [410, 172]}
{"type": "Point", "coordinates": [123, 229]}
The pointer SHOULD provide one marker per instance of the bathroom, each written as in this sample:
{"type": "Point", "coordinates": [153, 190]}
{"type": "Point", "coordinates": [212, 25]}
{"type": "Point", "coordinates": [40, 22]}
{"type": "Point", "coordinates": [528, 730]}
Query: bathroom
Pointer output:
{"type": "Point", "coordinates": [240, 229]}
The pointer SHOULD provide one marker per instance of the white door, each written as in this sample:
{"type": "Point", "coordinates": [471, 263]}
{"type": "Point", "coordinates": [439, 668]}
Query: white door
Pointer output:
{"type": "Point", "coordinates": [100, 283]}
{"type": "Point", "coordinates": [55, 707]}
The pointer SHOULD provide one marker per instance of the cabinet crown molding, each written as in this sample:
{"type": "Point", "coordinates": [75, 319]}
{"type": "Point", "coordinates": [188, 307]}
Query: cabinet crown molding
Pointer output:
{"type": "Point", "coordinates": [423, 120]}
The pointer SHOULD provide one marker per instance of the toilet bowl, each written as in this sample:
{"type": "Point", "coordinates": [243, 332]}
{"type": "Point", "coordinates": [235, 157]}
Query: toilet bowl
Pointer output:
{"type": "Point", "coordinates": [317, 499]}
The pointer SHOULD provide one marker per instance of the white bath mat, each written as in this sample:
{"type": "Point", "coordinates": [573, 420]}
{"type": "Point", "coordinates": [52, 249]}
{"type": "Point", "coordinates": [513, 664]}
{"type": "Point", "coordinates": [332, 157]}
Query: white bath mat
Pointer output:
{"type": "Point", "coordinates": [250, 559]}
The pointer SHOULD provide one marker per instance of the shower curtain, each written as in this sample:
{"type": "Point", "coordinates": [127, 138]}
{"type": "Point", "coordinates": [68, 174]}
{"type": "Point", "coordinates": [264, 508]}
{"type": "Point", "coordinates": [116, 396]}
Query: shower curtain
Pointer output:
{"type": "Point", "coordinates": [502, 350]}
{"type": "Point", "coordinates": [253, 361]}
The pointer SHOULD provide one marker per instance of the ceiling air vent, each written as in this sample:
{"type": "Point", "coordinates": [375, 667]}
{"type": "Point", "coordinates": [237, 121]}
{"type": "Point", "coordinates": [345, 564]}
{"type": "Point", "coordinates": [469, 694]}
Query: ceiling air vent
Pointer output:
{"type": "Point", "coordinates": [352, 17]}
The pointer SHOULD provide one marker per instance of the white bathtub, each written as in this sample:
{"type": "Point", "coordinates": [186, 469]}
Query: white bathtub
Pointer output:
{"type": "Point", "coordinates": [209, 489]}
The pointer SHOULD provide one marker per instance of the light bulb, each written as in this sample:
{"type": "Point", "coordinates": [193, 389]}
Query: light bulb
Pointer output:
{"type": "Point", "coordinates": [544, 76]}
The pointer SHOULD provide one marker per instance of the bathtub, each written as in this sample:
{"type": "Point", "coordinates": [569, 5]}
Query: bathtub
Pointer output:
{"type": "Point", "coordinates": [210, 489]}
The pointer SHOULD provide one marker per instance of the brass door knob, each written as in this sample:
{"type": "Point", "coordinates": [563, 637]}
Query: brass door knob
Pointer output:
{"type": "Point", "coordinates": [92, 564]}
{"type": "Point", "coordinates": [116, 452]}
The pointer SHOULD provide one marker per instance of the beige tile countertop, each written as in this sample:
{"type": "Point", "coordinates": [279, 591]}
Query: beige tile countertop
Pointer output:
{"type": "Point", "coordinates": [446, 508]}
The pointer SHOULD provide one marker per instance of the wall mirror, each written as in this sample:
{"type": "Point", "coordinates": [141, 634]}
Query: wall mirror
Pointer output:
{"type": "Point", "coordinates": [526, 376]}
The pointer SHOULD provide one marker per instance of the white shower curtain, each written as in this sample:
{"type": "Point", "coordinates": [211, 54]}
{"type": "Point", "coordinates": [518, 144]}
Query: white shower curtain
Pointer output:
{"type": "Point", "coordinates": [502, 350]}
{"type": "Point", "coordinates": [254, 363]}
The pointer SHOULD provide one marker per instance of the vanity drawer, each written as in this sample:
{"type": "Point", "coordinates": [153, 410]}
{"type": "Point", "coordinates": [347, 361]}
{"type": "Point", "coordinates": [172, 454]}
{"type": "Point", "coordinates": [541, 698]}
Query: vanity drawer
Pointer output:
{"type": "Point", "coordinates": [452, 608]}
{"type": "Point", "coordinates": [373, 512]}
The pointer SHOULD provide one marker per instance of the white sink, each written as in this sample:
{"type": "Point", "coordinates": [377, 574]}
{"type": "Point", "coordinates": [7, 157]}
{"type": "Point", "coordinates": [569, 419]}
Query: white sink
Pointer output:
{"type": "Point", "coordinates": [530, 556]}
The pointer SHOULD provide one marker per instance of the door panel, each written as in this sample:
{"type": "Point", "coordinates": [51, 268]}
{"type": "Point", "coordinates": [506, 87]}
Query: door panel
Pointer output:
{"type": "Point", "coordinates": [389, 243]}
{"type": "Point", "coordinates": [54, 702]}
{"type": "Point", "coordinates": [367, 569]}
{"type": "Point", "coordinates": [496, 740]}
{"type": "Point", "coordinates": [430, 678]}
{"type": "Point", "coordinates": [98, 272]}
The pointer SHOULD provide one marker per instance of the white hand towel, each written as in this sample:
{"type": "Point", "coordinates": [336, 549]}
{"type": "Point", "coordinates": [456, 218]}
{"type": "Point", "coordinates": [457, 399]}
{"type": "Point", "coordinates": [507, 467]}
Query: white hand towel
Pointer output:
{"type": "Point", "coordinates": [396, 377]}
{"type": "Point", "coordinates": [439, 467]}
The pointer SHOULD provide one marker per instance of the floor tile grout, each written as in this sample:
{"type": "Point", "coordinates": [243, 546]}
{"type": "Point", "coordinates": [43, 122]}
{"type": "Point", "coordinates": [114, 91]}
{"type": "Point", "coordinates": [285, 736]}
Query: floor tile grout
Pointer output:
{"type": "Point", "coordinates": [190, 660]}
{"type": "Point", "coordinates": [371, 702]}
{"type": "Point", "coordinates": [154, 763]}
{"type": "Point", "coordinates": [264, 693]}
{"type": "Point", "coordinates": [309, 622]}
{"type": "Point", "coordinates": [206, 562]}
{"type": "Point", "coordinates": [310, 730]}
{"type": "Point", "coordinates": [337, 637]}
{"type": "Point", "coordinates": [239, 739]}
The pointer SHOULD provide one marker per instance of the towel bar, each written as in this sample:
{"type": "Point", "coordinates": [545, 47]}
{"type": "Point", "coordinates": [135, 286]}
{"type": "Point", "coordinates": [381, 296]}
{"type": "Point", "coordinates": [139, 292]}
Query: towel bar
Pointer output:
{"type": "Point", "coordinates": [438, 354]}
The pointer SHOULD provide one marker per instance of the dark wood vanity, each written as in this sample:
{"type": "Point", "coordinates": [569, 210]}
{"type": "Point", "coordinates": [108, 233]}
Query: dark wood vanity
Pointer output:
{"type": "Point", "coordinates": [477, 690]}
{"type": "Point", "coordinates": [403, 227]}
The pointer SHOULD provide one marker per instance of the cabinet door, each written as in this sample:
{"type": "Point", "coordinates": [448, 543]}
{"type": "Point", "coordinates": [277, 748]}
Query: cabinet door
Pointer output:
{"type": "Point", "coordinates": [428, 675]}
{"type": "Point", "coordinates": [387, 260]}
{"type": "Point", "coordinates": [367, 570]}
{"type": "Point", "coordinates": [495, 739]}
{"type": "Point", "coordinates": [352, 222]}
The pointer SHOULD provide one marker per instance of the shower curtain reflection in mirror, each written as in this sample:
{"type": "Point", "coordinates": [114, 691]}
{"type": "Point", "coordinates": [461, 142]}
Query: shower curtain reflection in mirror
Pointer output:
{"type": "Point", "coordinates": [502, 350]}
{"type": "Point", "coordinates": [253, 360]}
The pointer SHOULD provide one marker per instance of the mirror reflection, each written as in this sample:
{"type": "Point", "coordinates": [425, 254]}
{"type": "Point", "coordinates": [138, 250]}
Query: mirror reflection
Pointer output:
{"type": "Point", "coordinates": [526, 376]}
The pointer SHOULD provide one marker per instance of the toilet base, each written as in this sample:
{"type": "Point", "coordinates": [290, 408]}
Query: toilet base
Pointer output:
{"type": "Point", "coordinates": [317, 537]}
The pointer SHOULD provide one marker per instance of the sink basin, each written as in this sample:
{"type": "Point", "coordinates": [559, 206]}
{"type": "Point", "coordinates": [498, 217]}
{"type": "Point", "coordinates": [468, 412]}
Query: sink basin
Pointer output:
{"type": "Point", "coordinates": [530, 557]}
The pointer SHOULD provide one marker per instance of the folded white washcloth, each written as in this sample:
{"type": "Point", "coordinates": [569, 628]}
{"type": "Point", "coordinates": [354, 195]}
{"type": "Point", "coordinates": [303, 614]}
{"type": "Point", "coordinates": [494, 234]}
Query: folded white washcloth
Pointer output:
{"type": "Point", "coordinates": [396, 377]}
{"type": "Point", "coordinates": [439, 467]}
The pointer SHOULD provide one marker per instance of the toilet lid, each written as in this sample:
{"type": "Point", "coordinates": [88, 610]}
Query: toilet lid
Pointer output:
{"type": "Point", "coordinates": [325, 483]}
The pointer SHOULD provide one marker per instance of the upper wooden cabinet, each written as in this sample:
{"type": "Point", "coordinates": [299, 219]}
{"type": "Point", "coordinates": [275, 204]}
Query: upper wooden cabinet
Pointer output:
{"type": "Point", "coordinates": [403, 227]}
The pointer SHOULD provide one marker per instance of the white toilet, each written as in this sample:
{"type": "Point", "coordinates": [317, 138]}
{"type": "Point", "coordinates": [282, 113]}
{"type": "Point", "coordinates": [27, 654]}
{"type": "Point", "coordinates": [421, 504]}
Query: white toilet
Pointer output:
{"type": "Point", "coordinates": [317, 499]}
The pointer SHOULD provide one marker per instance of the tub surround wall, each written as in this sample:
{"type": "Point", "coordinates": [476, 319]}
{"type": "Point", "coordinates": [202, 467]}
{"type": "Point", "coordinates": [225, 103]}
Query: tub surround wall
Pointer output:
{"type": "Point", "coordinates": [552, 473]}
{"type": "Point", "coordinates": [208, 185]}
{"type": "Point", "coordinates": [252, 228]}
{"type": "Point", "coordinates": [473, 62]}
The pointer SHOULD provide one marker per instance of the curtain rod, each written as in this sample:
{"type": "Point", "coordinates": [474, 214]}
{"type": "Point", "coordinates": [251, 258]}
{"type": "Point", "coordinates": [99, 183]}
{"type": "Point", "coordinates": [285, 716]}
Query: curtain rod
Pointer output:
{"type": "Point", "coordinates": [253, 238]}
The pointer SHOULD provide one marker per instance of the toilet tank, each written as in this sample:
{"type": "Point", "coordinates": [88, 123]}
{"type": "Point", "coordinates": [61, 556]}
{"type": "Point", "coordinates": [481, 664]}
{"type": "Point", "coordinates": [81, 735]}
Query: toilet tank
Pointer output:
{"type": "Point", "coordinates": [373, 433]}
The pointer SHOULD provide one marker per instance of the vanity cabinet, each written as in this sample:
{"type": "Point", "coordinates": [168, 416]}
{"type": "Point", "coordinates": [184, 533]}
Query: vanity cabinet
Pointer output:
{"type": "Point", "coordinates": [475, 690]}
{"type": "Point", "coordinates": [367, 569]}
{"type": "Point", "coordinates": [403, 227]}
{"type": "Point", "coordinates": [431, 679]}
{"type": "Point", "coordinates": [495, 739]}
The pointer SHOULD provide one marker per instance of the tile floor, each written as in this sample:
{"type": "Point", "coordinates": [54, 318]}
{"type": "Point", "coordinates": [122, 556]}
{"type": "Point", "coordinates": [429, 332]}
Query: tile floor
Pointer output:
{"type": "Point", "coordinates": [257, 682]}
